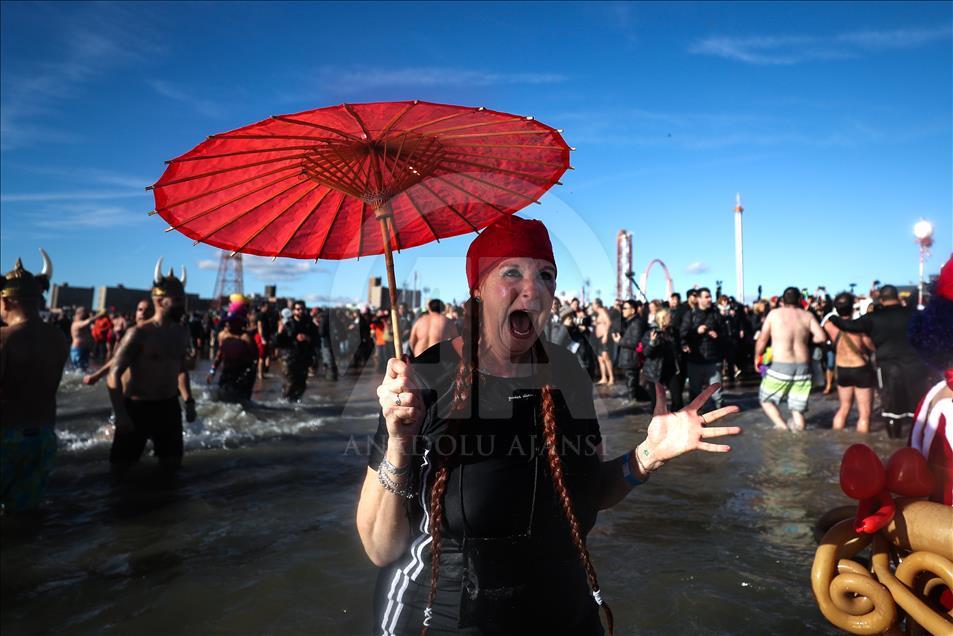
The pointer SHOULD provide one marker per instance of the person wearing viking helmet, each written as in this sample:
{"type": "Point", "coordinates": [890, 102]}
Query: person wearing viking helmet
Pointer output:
{"type": "Point", "coordinates": [146, 404]}
{"type": "Point", "coordinates": [32, 356]}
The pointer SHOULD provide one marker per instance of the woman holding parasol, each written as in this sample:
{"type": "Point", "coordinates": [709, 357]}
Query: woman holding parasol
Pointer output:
{"type": "Point", "coordinates": [490, 465]}
{"type": "Point", "coordinates": [487, 472]}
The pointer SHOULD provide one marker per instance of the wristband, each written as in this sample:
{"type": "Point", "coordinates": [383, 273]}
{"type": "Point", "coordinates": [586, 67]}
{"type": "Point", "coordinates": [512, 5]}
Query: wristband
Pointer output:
{"type": "Point", "coordinates": [627, 473]}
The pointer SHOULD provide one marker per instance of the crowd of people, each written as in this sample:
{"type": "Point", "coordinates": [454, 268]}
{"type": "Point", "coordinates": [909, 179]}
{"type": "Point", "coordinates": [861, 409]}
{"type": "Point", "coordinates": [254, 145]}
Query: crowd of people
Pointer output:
{"type": "Point", "coordinates": [797, 344]}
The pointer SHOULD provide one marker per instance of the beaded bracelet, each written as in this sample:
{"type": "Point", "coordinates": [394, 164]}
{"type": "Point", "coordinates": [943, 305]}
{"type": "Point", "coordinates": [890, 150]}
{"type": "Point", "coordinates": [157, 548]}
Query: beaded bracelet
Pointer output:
{"type": "Point", "coordinates": [393, 470]}
{"type": "Point", "coordinates": [390, 485]}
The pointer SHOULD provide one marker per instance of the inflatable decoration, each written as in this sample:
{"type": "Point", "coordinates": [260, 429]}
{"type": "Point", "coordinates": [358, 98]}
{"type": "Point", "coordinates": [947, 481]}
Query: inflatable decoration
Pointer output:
{"type": "Point", "coordinates": [763, 361]}
{"type": "Point", "coordinates": [907, 579]}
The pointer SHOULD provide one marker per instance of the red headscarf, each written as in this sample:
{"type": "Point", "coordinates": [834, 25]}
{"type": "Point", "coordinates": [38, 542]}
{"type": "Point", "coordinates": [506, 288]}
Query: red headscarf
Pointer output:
{"type": "Point", "coordinates": [509, 237]}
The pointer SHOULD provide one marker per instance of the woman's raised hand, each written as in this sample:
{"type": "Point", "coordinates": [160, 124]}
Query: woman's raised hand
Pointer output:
{"type": "Point", "coordinates": [674, 434]}
{"type": "Point", "coordinates": [400, 402]}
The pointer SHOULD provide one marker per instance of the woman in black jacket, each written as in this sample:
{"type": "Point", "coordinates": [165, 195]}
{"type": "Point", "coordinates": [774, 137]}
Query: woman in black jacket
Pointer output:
{"type": "Point", "coordinates": [661, 359]}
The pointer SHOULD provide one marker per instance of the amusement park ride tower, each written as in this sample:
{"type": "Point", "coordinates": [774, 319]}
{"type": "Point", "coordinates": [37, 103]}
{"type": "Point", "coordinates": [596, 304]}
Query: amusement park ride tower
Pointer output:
{"type": "Point", "coordinates": [739, 251]}
{"type": "Point", "coordinates": [623, 284]}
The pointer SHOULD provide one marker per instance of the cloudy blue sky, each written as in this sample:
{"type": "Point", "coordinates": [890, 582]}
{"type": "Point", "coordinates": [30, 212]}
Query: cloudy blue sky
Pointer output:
{"type": "Point", "coordinates": [833, 120]}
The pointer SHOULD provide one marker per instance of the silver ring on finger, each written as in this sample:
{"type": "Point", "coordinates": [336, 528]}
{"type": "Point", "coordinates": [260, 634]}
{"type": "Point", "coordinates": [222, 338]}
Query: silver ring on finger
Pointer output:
{"type": "Point", "coordinates": [704, 421]}
{"type": "Point", "coordinates": [397, 400]}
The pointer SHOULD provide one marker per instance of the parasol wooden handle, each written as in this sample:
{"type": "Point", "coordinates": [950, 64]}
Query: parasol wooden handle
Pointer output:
{"type": "Point", "coordinates": [391, 284]}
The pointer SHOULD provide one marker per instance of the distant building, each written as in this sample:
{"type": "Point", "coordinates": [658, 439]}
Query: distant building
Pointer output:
{"type": "Point", "coordinates": [378, 296]}
{"type": "Point", "coordinates": [65, 296]}
{"type": "Point", "coordinates": [125, 299]}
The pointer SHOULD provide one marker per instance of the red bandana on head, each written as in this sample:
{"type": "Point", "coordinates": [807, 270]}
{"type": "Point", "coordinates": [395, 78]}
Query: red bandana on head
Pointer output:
{"type": "Point", "coordinates": [509, 237]}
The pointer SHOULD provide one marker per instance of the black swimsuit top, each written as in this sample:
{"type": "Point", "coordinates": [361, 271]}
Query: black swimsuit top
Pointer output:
{"type": "Point", "coordinates": [499, 485]}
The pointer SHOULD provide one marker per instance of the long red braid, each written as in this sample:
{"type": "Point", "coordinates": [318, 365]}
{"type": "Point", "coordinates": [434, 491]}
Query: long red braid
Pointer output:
{"type": "Point", "coordinates": [562, 493]}
{"type": "Point", "coordinates": [466, 379]}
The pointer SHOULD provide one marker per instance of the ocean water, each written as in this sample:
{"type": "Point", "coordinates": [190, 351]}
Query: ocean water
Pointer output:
{"type": "Point", "coordinates": [256, 534]}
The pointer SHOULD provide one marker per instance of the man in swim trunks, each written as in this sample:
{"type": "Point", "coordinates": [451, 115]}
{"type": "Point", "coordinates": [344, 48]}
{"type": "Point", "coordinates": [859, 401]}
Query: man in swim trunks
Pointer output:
{"type": "Point", "coordinates": [32, 356]}
{"type": "Point", "coordinates": [431, 328]}
{"type": "Point", "coordinates": [147, 404]}
{"type": "Point", "coordinates": [790, 330]}
{"type": "Point", "coordinates": [82, 343]}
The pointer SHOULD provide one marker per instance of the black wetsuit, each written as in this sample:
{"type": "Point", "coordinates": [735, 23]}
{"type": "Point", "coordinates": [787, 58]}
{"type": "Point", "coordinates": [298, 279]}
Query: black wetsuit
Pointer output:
{"type": "Point", "coordinates": [903, 376]}
{"type": "Point", "coordinates": [297, 355]}
{"type": "Point", "coordinates": [238, 363]}
{"type": "Point", "coordinates": [508, 565]}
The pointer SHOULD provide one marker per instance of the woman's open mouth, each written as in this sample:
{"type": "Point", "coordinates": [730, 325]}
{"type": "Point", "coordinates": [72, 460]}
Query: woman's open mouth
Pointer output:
{"type": "Point", "coordinates": [521, 324]}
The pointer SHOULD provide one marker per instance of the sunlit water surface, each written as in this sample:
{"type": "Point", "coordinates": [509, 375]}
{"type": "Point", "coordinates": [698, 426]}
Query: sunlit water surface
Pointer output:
{"type": "Point", "coordinates": [257, 533]}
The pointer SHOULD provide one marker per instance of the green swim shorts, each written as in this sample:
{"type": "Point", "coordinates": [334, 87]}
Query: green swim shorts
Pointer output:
{"type": "Point", "coordinates": [787, 380]}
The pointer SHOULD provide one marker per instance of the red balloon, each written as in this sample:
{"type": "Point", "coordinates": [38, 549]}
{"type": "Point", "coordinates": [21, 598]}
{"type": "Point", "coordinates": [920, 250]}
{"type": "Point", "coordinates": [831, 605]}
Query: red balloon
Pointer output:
{"type": "Point", "coordinates": [908, 474]}
{"type": "Point", "coordinates": [862, 474]}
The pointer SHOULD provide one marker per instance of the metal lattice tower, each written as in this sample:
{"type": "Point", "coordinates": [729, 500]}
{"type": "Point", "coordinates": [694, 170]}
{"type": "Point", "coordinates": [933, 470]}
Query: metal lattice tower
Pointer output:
{"type": "Point", "coordinates": [739, 252]}
{"type": "Point", "coordinates": [230, 279]}
{"type": "Point", "coordinates": [623, 286]}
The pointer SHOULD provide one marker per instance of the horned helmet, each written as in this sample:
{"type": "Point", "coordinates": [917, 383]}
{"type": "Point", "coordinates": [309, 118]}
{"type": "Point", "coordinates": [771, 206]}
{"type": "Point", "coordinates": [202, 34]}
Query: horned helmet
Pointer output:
{"type": "Point", "coordinates": [19, 283]}
{"type": "Point", "coordinates": [167, 285]}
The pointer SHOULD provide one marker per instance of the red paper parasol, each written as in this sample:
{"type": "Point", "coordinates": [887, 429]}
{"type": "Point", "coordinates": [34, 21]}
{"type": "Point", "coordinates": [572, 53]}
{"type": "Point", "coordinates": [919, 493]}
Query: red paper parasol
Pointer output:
{"type": "Point", "coordinates": [312, 184]}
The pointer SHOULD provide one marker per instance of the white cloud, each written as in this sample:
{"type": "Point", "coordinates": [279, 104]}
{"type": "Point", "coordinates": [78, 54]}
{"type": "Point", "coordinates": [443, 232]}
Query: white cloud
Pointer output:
{"type": "Point", "coordinates": [83, 215]}
{"type": "Point", "coordinates": [95, 40]}
{"type": "Point", "coordinates": [283, 269]}
{"type": "Point", "coordinates": [202, 106]}
{"type": "Point", "coordinates": [82, 195]}
{"type": "Point", "coordinates": [207, 263]}
{"type": "Point", "coordinates": [323, 299]}
{"type": "Point", "coordinates": [793, 49]}
{"type": "Point", "coordinates": [366, 78]}
{"type": "Point", "coordinates": [132, 186]}
{"type": "Point", "coordinates": [90, 175]}
{"type": "Point", "coordinates": [716, 130]}
{"type": "Point", "coordinates": [697, 268]}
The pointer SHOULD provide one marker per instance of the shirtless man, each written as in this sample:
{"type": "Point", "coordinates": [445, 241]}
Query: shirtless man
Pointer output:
{"type": "Point", "coordinates": [82, 342]}
{"type": "Point", "coordinates": [118, 331]}
{"type": "Point", "coordinates": [32, 356]}
{"type": "Point", "coordinates": [431, 328]}
{"type": "Point", "coordinates": [791, 331]}
{"type": "Point", "coordinates": [603, 325]}
{"type": "Point", "coordinates": [147, 405]}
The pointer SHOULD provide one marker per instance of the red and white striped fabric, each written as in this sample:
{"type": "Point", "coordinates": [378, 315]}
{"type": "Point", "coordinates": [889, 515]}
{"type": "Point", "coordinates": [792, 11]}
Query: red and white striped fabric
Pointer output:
{"type": "Point", "coordinates": [932, 435]}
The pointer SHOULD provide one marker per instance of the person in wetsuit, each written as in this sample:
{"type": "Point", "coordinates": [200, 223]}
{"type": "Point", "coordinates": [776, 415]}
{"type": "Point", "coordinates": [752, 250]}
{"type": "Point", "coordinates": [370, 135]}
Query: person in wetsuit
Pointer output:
{"type": "Point", "coordinates": [903, 376]}
{"type": "Point", "coordinates": [295, 339]}
{"type": "Point", "coordinates": [237, 358]}
{"type": "Point", "coordinates": [327, 346]}
{"type": "Point", "coordinates": [486, 473]}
